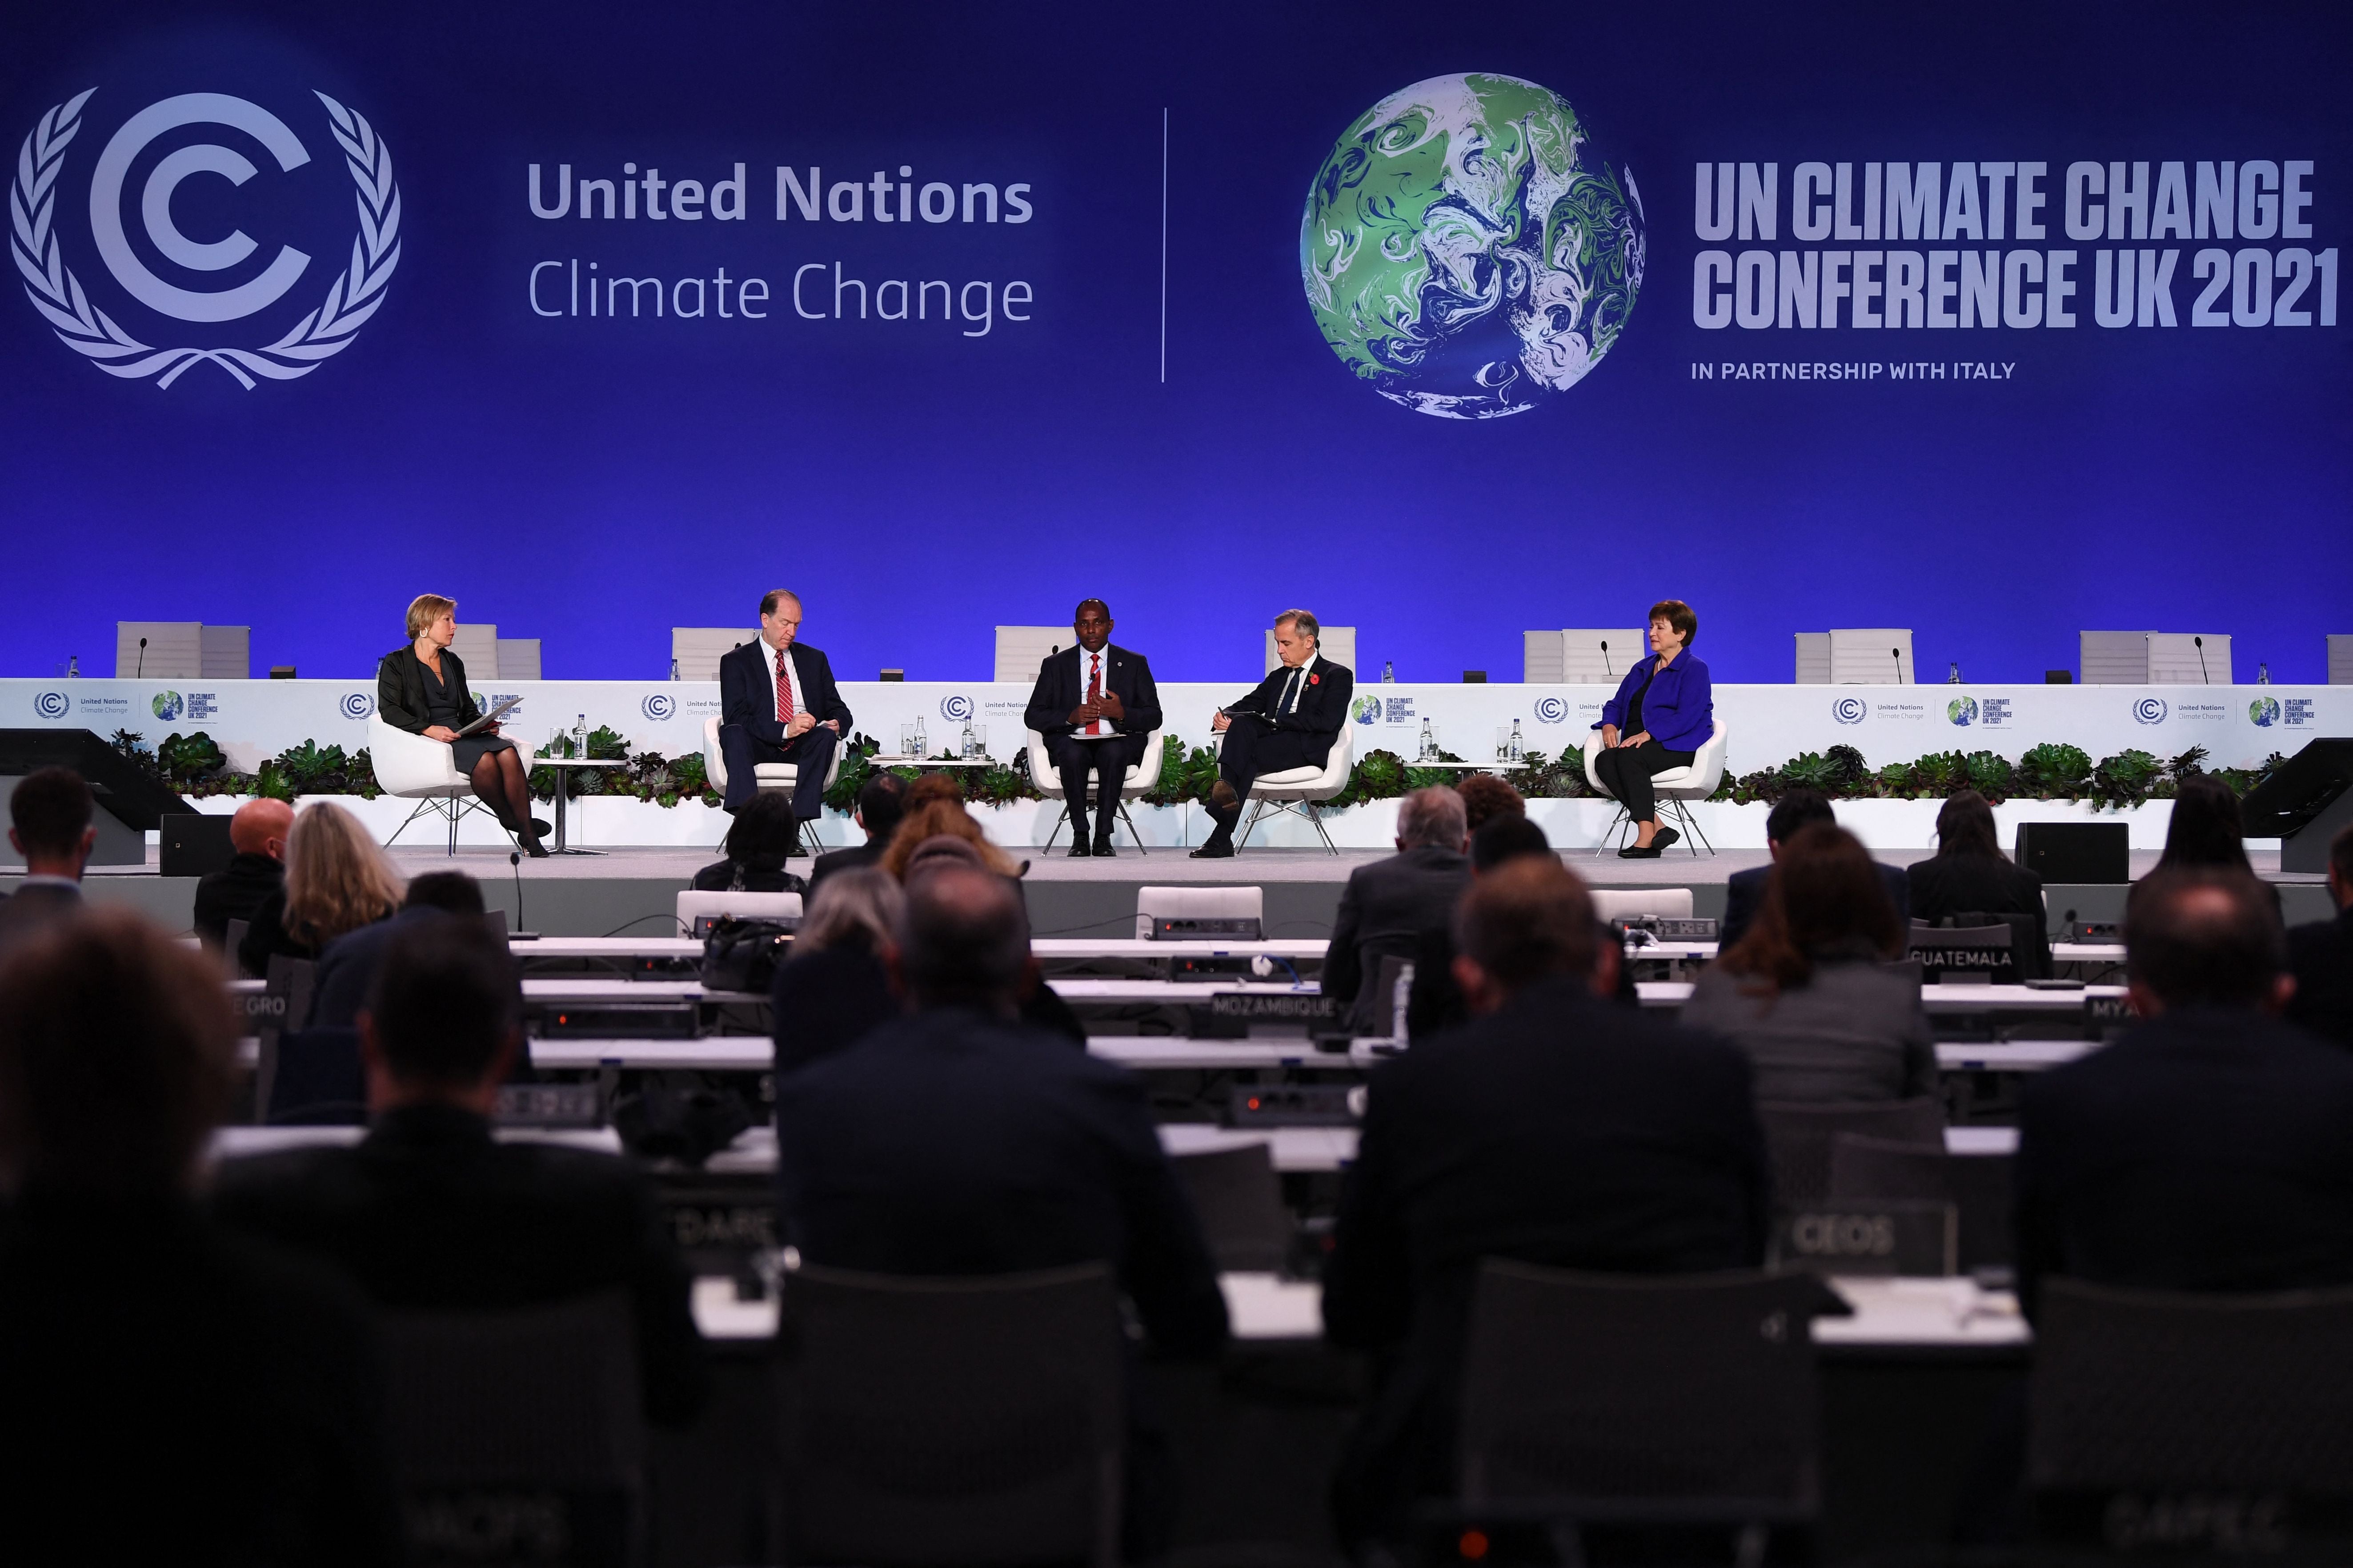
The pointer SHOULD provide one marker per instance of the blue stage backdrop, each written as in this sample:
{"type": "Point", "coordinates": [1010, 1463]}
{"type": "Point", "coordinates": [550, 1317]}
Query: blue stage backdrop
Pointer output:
{"type": "Point", "coordinates": [1996, 322]}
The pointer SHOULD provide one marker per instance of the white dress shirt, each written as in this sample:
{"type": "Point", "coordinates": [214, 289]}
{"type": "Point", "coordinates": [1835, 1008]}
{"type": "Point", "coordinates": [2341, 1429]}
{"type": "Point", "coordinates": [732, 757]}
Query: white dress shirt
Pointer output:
{"type": "Point", "coordinates": [1088, 666]}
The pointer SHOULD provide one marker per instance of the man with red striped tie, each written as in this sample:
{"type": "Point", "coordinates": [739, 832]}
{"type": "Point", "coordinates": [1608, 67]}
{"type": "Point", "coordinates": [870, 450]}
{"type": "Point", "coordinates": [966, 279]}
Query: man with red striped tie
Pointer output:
{"type": "Point", "coordinates": [1096, 708]}
{"type": "Point", "coordinates": [778, 703]}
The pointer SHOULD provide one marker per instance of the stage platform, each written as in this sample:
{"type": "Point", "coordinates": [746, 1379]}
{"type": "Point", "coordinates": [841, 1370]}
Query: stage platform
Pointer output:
{"type": "Point", "coordinates": [633, 892]}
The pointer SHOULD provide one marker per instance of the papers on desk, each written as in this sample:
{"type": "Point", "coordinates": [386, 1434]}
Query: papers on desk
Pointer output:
{"type": "Point", "coordinates": [1922, 1312]}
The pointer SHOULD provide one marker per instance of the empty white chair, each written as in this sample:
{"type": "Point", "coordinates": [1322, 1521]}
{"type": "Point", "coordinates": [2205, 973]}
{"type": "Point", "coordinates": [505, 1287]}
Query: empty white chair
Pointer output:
{"type": "Point", "coordinates": [1674, 787]}
{"type": "Point", "coordinates": [226, 652]}
{"type": "Point", "coordinates": [1154, 905]}
{"type": "Point", "coordinates": [1337, 644]}
{"type": "Point", "coordinates": [697, 911]}
{"type": "Point", "coordinates": [695, 651]}
{"type": "Point", "coordinates": [1021, 649]}
{"type": "Point", "coordinates": [1876, 656]}
{"type": "Point", "coordinates": [175, 650]}
{"type": "Point", "coordinates": [414, 767]}
{"type": "Point", "coordinates": [1301, 791]}
{"type": "Point", "coordinates": [1625, 903]}
{"type": "Point", "coordinates": [1813, 658]}
{"type": "Point", "coordinates": [478, 645]}
{"type": "Point", "coordinates": [518, 658]}
{"type": "Point", "coordinates": [1599, 656]}
{"type": "Point", "coordinates": [1143, 777]}
{"type": "Point", "coordinates": [2341, 658]}
{"type": "Point", "coordinates": [2154, 659]}
{"type": "Point", "coordinates": [784, 777]}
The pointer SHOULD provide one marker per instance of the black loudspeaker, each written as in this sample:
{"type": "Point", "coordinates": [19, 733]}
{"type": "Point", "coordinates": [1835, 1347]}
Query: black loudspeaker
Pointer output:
{"type": "Point", "coordinates": [195, 845]}
{"type": "Point", "coordinates": [2075, 851]}
{"type": "Point", "coordinates": [2304, 805]}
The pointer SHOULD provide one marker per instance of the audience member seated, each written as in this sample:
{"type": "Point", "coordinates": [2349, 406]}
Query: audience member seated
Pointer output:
{"type": "Point", "coordinates": [1970, 875]}
{"type": "Point", "coordinates": [348, 965]}
{"type": "Point", "coordinates": [1807, 994]}
{"type": "Point", "coordinates": [2321, 955]}
{"type": "Point", "coordinates": [762, 838]}
{"type": "Point", "coordinates": [2206, 1149]}
{"type": "Point", "coordinates": [1388, 905]}
{"type": "Point", "coordinates": [49, 818]}
{"type": "Point", "coordinates": [431, 1213]}
{"type": "Point", "coordinates": [1486, 796]}
{"type": "Point", "coordinates": [173, 1393]}
{"type": "Point", "coordinates": [1436, 1003]}
{"type": "Point", "coordinates": [1744, 891]}
{"type": "Point", "coordinates": [2206, 829]}
{"type": "Point", "coordinates": [882, 801]}
{"type": "Point", "coordinates": [1555, 1129]}
{"type": "Point", "coordinates": [956, 1141]}
{"type": "Point", "coordinates": [258, 833]}
{"type": "Point", "coordinates": [935, 817]}
{"type": "Point", "coordinates": [837, 986]}
{"type": "Point", "coordinates": [337, 880]}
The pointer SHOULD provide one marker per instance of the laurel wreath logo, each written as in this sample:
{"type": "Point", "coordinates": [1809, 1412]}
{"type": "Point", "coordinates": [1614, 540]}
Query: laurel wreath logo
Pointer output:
{"type": "Point", "coordinates": [328, 330]}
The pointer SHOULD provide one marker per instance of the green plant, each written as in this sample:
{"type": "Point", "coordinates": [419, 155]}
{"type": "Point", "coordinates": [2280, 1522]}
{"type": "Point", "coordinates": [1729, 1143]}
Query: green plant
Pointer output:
{"type": "Point", "coordinates": [2054, 771]}
{"type": "Point", "coordinates": [1184, 775]}
{"type": "Point", "coordinates": [1378, 776]}
{"type": "Point", "coordinates": [2128, 778]}
{"type": "Point", "coordinates": [1989, 774]}
{"type": "Point", "coordinates": [1812, 770]}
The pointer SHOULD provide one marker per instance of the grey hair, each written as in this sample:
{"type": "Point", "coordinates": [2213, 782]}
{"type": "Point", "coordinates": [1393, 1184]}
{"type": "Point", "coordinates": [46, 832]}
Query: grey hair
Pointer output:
{"type": "Point", "coordinates": [858, 908]}
{"type": "Point", "coordinates": [1304, 622]}
{"type": "Point", "coordinates": [1432, 815]}
{"type": "Point", "coordinates": [963, 938]}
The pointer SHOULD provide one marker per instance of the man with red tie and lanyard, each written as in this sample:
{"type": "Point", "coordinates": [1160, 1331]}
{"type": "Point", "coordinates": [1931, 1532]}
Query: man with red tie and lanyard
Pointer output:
{"type": "Point", "coordinates": [1096, 708]}
{"type": "Point", "coordinates": [778, 703]}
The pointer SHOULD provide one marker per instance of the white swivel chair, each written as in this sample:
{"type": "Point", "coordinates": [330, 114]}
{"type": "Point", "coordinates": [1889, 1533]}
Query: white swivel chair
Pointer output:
{"type": "Point", "coordinates": [411, 767]}
{"type": "Point", "coordinates": [1143, 777]}
{"type": "Point", "coordinates": [1301, 790]}
{"type": "Point", "coordinates": [694, 908]}
{"type": "Point", "coordinates": [780, 777]}
{"type": "Point", "coordinates": [1674, 787]}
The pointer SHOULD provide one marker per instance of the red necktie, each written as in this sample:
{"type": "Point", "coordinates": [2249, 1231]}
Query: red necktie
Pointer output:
{"type": "Point", "coordinates": [1094, 689]}
{"type": "Point", "coordinates": [784, 692]}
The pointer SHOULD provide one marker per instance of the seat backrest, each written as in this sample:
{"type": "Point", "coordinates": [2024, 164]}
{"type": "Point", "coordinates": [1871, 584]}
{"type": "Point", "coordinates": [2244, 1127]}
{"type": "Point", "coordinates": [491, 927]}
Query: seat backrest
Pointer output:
{"type": "Point", "coordinates": [1813, 658]}
{"type": "Point", "coordinates": [1871, 656]}
{"type": "Point", "coordinates": [1153, 904]}
{"type": "Point", "coordinates": [695, 908]}
{"type": "Point", "coordinates": [1021, 649]}
{"type": "Point", "coordinates": [478, 645]}
{"type": "Point", "coordinates": [697, 650]}
{"type": "Point", "coordinates": [1239, 1200]}
{"type": "Point", "coordinates": [1542, 661]}
{"type": "Point", "coordinates": [1631, 1390]}
{"type": "Point", "coordinates": [2111, 658]}
{"type": "Point", "coordinates": [1985, 953]}
{"type": "Point", "coordinates": [316, 1080]}
{"type": "Point", "coordinates": [2028, 954]}
{"type": "Point", "coordinates": [1799, 1138]}
{"type": "Point", "coordinates": [1882, 1170]}
{"type": "Point", "coordinates": [2175, 658]}
{"type": "Point", "coordinates": [226, 652]}
{"type": "Point", "coordinates": [2341, 658]}
{"type": "Point", "coordinates": [1623, 903]}
{"type": "Point", "coordinates": [175, 650]}
{"type": "Point", "coordinates": [518, 658]}
{"type": "Point", "coordinates": [1598, 656]}
{"type": "Point", "coordinates": [951, 1420]}
{"type": "Point", "coordinates": [1337, 644]}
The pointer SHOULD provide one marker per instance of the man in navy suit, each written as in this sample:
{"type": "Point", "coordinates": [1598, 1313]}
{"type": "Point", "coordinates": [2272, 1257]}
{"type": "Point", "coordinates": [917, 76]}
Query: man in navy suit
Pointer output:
{"type": "Point", "coordinates": [778, 703]}
{"type": "Point", "coordinates": [1744, 893]}
{"type": "Point", "coordinates": [1097, 707]}
{"type": "Point", "coordinates": [1289, 722]}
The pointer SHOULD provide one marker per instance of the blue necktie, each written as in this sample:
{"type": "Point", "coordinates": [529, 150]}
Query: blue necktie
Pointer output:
{"type": "Point", "coordinates": [1291, 692]}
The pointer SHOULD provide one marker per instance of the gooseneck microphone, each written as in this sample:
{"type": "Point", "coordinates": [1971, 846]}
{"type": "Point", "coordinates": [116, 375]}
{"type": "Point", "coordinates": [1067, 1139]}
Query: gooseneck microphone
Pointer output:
{"type": "Point", "coordinates": [1897, 655]}
{"type": "Point", "coordinates": [141, 668]}
{"type": "Point", "coordinates": [1605, 659]}
{"type": "Point", "coordinates": [514, 859]}
{"type": "Point", "coordinates": [2203, 677]}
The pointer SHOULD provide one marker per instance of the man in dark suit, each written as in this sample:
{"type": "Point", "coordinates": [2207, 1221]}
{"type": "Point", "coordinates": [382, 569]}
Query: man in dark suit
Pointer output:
{"type": "Point", "coordinates": [958, 1140]}
{"type": "Point", "coordinates": [1289, 722]}
{"type": "Point", "coordinates": [778, 703]}
{"type": "Point", "coordinates": [1096, 706]}
{"type": "Point", "coordinates": [1391, 905]}
{"type": "Point", "coordinates": [258, 833]}
{"type": "Point", "coordinates": [1554, 1128]}
{"type": "Point", "coordinates": [431, 1213]}
{"type": "Point", "coordinates": [347, 968]}
{"type": "Point", "coordinates": [882, 801]}
{"type": "Point", "coordinates": [1744, 892]}
{"type": "Point", "coordinates": [2320, 955]}
{"type": "Point", "coordinates": [49, 825]}
{"type": "Point", "coordinates": [2205, 1150]}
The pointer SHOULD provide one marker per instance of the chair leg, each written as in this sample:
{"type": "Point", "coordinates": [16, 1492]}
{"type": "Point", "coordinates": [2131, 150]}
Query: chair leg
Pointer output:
{"type": "Point", "coordinates": [1693, 836]}
{"type": "Point", "coordinates": [1061, 819]}
{"type": "Point", "coordinates": [1315, 819]}
{"type": "Point", "coordinates": [1258, 809]}
{"type": "Point", "coordinates": [1132, 833]}
{"type": "Point", "coordinates": [453, 811]}
{"type": "Point", "coordinates": [1612, 831]}
{"type": "Point", "coordinates": [423, 807]}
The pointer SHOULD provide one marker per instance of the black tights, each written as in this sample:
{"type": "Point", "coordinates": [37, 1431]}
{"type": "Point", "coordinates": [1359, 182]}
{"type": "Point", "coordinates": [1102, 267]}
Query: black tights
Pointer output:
{"type": "Point", "coordinates": [1625, 772]}
{"type": "Point", "coordinates": [499, 779]}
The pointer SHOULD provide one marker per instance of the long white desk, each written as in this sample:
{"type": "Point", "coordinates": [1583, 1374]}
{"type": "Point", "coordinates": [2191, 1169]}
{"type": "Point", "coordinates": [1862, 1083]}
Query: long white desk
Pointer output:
{"type": "Point", "coordinates": [1935, 999]}
{"type": "Point", "coordinates": [236, 1142]}
{"type": "Point", "coordinates": [2010, 1056]}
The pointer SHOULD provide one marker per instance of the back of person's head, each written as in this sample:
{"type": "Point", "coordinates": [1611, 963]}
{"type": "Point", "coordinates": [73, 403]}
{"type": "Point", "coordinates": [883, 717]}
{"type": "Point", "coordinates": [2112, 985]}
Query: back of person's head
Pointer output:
{"type": "Point", "coordinates": [443, 1004]}
{"type": "Point", "coordinates": [1824, 896]}
{"type": "Point", "coordinates": [2206, 828]}
{"type": "Point", "coordinates": [117, 1058]}
{"type": "Point", "coordinates": [1527, 921]}
{"type": "Point", "coordinates": [258, 823]}
{"type": "Point", "coordinates": [942, 819]}
{"type": "Point", "coordinates": [858, 908]}
{"type": "Point", "coordinates": [1505, 837]}
{"type": "Point", "coordinates": [2203, 936]}
{"type": "Point", "coordinates": [1796, 811]}
{"type": "Point", "coordinates": [51, 811]}
{"type": "Point", "coordinates": [1964, 826]}
{"type": "Point", "coordinates": [453, 891]}
{"type": "Point", "coordinates": [1430, 818]}
{"type": "Point", "coordinates": [337, 880]}
{"type": "Point", "coordinates": [931, 789]}
{"type": "Point", "coordinates": [881, 801]}
{"type": "Point", "coordinates": [1486, 798]}
{"type": "Point", "coordinates": [763, 829]}
{"type": "Point", "coordinates": [963, 939]}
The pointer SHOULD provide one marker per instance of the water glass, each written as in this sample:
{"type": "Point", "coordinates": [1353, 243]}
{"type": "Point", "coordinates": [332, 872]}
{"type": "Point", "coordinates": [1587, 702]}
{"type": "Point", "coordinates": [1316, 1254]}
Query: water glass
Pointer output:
{"type": "Point", "coordinates": [906, 740]}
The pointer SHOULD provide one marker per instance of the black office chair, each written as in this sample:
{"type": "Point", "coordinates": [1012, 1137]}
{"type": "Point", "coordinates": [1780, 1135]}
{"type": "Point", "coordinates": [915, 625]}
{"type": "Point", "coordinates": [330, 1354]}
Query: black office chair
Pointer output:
{"type": "Point", "coordinates": [282, 1009]}
{"type": "Point", "coordinates": [1596, 1400]}
{"type": "Point", "coordinates": [952, 1421]}
{"type": "Point", "coordinates": [519, 1435]}
{"type": "Point", "coordinates": [2211, 1423]}
{"type": "Point", "coordinates": [2031, 955]}
{"type": "Point", "coordinates": [316, 1080]}
{"type": "Point", "coordinates": [1799, 1134]}
{"type": "Point", "coordinates": [1884, 1170]}
{"type": "Point", "coordinates": [1239, 1199]}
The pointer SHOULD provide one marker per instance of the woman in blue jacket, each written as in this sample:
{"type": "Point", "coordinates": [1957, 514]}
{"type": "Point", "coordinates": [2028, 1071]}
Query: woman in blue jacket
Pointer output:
{"type": "Point", "coordinates": [1663, 713]}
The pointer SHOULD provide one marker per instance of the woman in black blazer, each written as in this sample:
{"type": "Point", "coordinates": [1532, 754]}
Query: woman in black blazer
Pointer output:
{"type": "Point", "coordinates": [421, 688]}
{"type": "Point", "coordinates": [1969, 874]}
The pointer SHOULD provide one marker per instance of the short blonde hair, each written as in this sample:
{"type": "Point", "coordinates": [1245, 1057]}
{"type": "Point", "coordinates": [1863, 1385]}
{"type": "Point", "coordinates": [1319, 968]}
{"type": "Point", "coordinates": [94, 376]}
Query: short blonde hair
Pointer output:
{"type": "Point", "coordinates": [424, 610]}
{"type": "Point", "coordinates": [858, 908]}
{"type": "Point", "coordinates": [936, 818]}
{"type": "Point", "coordinates": [337, 880]}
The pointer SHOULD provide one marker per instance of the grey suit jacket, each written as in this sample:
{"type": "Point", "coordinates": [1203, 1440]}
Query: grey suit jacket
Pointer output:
{"type": "Point", "coordinates": [33, 909]}
{"type": "Point", "coordinates": [1385, 910]}
{"type": "Point", "coordinates": [1855, 1031]}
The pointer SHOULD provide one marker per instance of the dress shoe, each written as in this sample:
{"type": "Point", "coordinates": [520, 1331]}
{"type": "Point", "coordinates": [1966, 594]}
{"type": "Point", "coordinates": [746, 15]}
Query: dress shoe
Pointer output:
{"type": "Point", "coordinates": [541, 829]}
{"type": "Point", "coordinates": [1219, 847]}
{"type": "Point", "coordinates": [1079, 850]}
{"type": "Point", "coordinates": [1103, 849]}
{"type": "Point", "coordinates": [1638, 852]}
{"type": "Point", "coordinates": [1665, 836]}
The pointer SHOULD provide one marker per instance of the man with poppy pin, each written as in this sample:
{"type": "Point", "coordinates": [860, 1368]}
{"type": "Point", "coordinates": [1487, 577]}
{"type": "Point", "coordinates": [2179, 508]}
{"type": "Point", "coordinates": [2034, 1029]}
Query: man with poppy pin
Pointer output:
{"type": "Point", "coordinates": [1289, 722]}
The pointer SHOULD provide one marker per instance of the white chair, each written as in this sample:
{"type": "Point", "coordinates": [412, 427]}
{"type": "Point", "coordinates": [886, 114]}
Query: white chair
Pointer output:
{"type": "Point", "coordinates": [2341, 658]}
{"type": "Point", "coordinates": [1626, 903]}
{"type": "Point", "coordinates": [1878, 655]}
{"type": "Point", "coordinates": [476, 644]}
{"type": "Point", "coordinates": [1673, 787]}
{"type": "Point", "coordinates": [518, 658]}
{"type": "Point", "coordinates": [411, 767]}
{"type": "Point", "coordinates": [780, 777]}
{"type": "Point", "coordinates": [695, 651]}
{"type": "Point", "coordinates": [694, 908]}
{"type": "Point", "coordinates": [175, 650]}
{"type": "Point", "coordinates": [1143, 777]}
{"type": "Point", "coordinates": [1021, 649]}
{"type": "Point", "coordinates": [1301, 790]}
{"type": "Point", "coordinates": [1813, 658]}
{"type": "Point", "coordinates": [1337, 644]}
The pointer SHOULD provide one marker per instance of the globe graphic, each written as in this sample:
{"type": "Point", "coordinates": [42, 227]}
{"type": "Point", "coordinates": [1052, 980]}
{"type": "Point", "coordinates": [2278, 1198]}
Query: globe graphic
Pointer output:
{"type": "Point", "coordinates": [1465, 250]}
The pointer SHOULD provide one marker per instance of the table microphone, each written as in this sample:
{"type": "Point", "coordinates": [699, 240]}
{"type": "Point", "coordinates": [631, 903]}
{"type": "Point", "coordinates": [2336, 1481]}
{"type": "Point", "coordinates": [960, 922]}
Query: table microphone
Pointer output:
{"type": "Point", "coordinates": [1605, 659]}
{"type": "Point", "coordinates": [2203, 677]}
{"type": "Point", "coordinates": [142, 667]}
{"type": "Point", "coordinates": [1897, 655]}
{"type": "Point", "coordinates": [514, 859]}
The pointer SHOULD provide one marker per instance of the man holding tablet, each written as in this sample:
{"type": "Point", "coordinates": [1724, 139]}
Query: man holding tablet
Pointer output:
{"type": "Point", "coordinates": [1097, 707]}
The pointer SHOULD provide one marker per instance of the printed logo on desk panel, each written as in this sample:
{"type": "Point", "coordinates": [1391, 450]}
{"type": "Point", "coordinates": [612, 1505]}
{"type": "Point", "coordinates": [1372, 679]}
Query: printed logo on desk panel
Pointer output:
{"type": "Point", "coordinates": [129, 227]}
{"type": "Point", "coordinates": [167, 706]}
{"type": "Point", "coordinates": [52, 704]}
{"type": "Point", "coordinates": [2149, 710]}
{"type": "Point", "coordinates": [1849, 709]}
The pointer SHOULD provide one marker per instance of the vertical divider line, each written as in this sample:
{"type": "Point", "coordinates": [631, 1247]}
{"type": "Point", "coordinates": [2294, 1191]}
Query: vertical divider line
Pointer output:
{"type": "Point", "coordinates": [1164, 246]}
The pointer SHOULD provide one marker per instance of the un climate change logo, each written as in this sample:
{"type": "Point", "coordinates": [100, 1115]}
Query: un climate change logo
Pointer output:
{"type": "Point", "coordinates": [1849, 709]}
{"type": "Point", "coordinates": [1962, 710]}
{"type": "Point", "coordinates": [660, 706]}
{"type": "Point", "coordinates": [170, 280]}
{"type": "Point", "coordinates": [2264, 712]}
{"type": "Point", "coordinates": [955, 710]}
{"type": "Point", "coordinates": [1365, 708]}
{"type": "Point", "coordinates": [1552, 709]}
{"type": "Point", "coordinates": [167, 706]}
{"type": "Point", "coordinates": [52, 705]}
{"type": "Point", "coordinates": [2149, 710]}
{"type": "Point", "coordinates": [357, 705]}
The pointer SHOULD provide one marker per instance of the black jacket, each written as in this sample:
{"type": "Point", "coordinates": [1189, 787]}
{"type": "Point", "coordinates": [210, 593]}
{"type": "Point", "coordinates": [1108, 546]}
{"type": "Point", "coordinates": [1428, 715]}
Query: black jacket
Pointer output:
{"type": "Point", "coordinates": [400, 689]}
{"type": "Point", "coordinates": [347, 966]}
{"type": "Point", "coordinates": [825, 1002]}
{"type": "Point", "coordinates": [753, 874]}
{"type": "Point", "coordinates": [2205, 1150]}
{"type": "Point", "coordinates": [747, 689]}
{"type": "Point", "coordinates": [430, 1212]}
{"type": "Point", "coordinates": [1323, 708]}
{"type": "Point", "coordinates": [33, 909]}
{"type": "Point", "coordinates": [233, 892]}
{"type": "Point", "coordinates": [1062, 686]}
{"type": "Point", "coordinates": [1976, 884]}
{"type": "Point", "coordinates": [2320, 955]}
{"type": "Point", "coordinates": [867, 854]}
{"type": "Point", "coordinates": [1385, 910]}
{"type": "Point", "coordinates": [1744, 895]}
